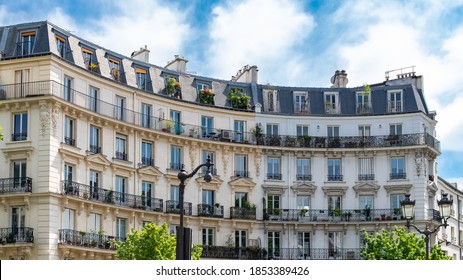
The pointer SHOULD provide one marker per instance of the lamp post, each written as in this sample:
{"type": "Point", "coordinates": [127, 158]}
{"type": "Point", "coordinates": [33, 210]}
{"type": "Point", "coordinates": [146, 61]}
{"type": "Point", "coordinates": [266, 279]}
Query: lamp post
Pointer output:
{"type": "Point", "coordinates": [181, 252]}
{"type": "Point", "coordinates": [408, 210]}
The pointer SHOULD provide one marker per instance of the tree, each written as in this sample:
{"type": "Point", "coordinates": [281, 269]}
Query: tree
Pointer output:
{"type": "Point", "coordinates": [153, 242]}
{"type": "Point", "coordinates": [398, 245]}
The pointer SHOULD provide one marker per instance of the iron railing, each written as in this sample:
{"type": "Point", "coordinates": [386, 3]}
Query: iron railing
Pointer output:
{"type": "Point", "coordinates": [303, 177]}
{"type": "Point", "coordinates": [147, 161]}
{"type": "Point", "coordinates": [398, 176]}
{"type": "Point", "coordinates": [15, 185]}
{"type": "Point", "coordinates": [273, 176]}
{"type": "Point", "coordinates": [70, 141]}
{"type": "Point", "coordinates": [17, 234]}
{"type": "Point", "coordinates": [326, 215]}
{"type": "Point", "coordinates": [207, 210]}
{"type": "Point", "coordinates": [241, 253]}
{"type": "Point", "coordinates": [242, 213]}
{"type": "Point", "coordinates": [111, 197]}
{"type": "Point", "coordinates": [22, 136]}
{"type": "Point", "coordinates": [241, 173]}
{"type": "Point", "coordinates": [173, 206]}
{"type": "Point", "coordinates": [366, 177]}
{"type": "Point", "coordinates": [87, 239]}
{"type": "Point", "coordinates": [53, 88]}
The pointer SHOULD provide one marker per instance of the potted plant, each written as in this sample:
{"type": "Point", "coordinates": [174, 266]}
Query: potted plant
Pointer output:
{"type": "Point", "coordinates": [109, 198]}
{"type": "Point", "coordinates": [206, 96]}
{"type": "Point", "coordinates": [367, 212]}
{"type": "Point", "coordinates": [238, 99]}
{"type": "Point", "coordinates": [192, 132]}
{"type": "Point", "coordinates": [169, 125]}
{"type": "Point", "coordinates": [93, 67]}
{"type": "Point", "coordinates": [337, 213]}
{"type": "Point", "coordinates": [304, 140]}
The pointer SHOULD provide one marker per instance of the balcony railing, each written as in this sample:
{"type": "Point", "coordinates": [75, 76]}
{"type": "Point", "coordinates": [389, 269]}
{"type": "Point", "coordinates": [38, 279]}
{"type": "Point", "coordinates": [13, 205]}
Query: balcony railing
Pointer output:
{"type": "Point", "coordinates": [94, 149]}
{"type": "Point", "coordinates": [121, 155]}
{"type": "Point", "coordinates": [335, 177]}
{"type": "Point", "coordinates": [326, 215]}
{"type": "Point", "coordinates": [15, 185]}
{"type": "Point", "coordinates": [242, 213]}
{"type": "Point", "coordinates": [147, 161]}
{"type": "Point", "coordinates": [175, 165]}
{"type": "Point", "coordinates": [366, 177]}
{"type": "Point", "coordinates": [22, 136]}
{"type": "Point", "coordinates": [303, 177]}
{"type": "Point", "coordinates": [87, 239]}
{"type": "Point", "coordinates": [398, 176]}
{"type": "Point", "coordinates": [173, 206]}
{"type": "Point", "coordinates": [111, 197]}
{"type": "Point", "coordinates": [273, 176]}
{"type": "Point", "coordinates": [17, 234]}
{"type": "Point", "coordinates": [52, 88]}
{"type": "Point", "coordinates": [207, 210]}
{"type": "Point", "coordinates": [241, 253]}
{"type": "Point", "coordinates": [69, 141]}
{"type": "Point", "coordinates": [241, 173]}
{"type": "Point", "coordinates": [364, 108]}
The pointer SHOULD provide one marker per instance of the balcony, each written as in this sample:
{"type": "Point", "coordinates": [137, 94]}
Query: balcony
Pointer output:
{"type": "Point", "coordinates": [364, 108]}
{"type": "Point", "coordinates": [52, 88]}
{"type": "Point", "coordinates": [94, 149]}
{"type": "Point", "coordinates": [22, 136]}
{"type": "Point", "coordinates": [273, 176]}
{"type": "Point", "coordinates": [327, 215]}
{"type": "Point", "coordinates": [242, 213]}
{"type": "Point", "coordinates": [16, 235]}
{"type": "Point", "coordinates": [206, 210]}
{"type": "Point", "coordinates": [87, 239]}
{"type": "Point", "coordinates": [70, 141]}
{"type": "Point", "coordinates": [335, 178]}
{"type": "Point", "coordinates": [15, 185]}
{"type": "Point", "coordinates": [175, 166]}
{"type": "Point", "coordinates": [173, 206]}
{"type": "Point", "coordinates": [121, 155]}
{"type": "Point", "coordinates": [366, 177]}
{"type": "Point", "coordinates": [241, 173]}
{"type": "Point", "coordinates": [398, 176]}
{"type": "Point", "coordinates": [313, 254]}
{"type": "Point", "coordinates": [147, 161]}
{"type": "Point", "coordinates": [111, 197]}
{"type": "Point", "coordinates": [237, 253]}
{"type": "Point", "coordinates": [303, 177]}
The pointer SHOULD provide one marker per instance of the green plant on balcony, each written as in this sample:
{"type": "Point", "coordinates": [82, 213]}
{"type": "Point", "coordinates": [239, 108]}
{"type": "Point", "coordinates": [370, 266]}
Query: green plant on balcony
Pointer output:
{"type": "Point", "coordinates": [366, 89]}
{"type": "Point", "coordinates": [109, 198]}
{"type": "Point", "coordinates": [93, 67]}
{"type": "Point", "coordinates": [304, 140]}
{"type": "Point", "coordinates": [206, 96]}
{"type": "Point", "coordinates": [337, 212]}
{"type": "Point", "coordinates": [303, 211]}
{"type": "Point", "coordinates": [238, 99]}
{"type": "Point", "coordinates": [173, 88]}
{"type": "Point", "coordinates": [248, 205]}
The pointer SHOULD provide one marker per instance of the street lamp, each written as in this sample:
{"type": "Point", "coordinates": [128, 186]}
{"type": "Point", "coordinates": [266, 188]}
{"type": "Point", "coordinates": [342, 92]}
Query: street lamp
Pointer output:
{"type": "Point", "coordinates": [182, 251]}
{"type": "Point", "coordinates": [408, 210]}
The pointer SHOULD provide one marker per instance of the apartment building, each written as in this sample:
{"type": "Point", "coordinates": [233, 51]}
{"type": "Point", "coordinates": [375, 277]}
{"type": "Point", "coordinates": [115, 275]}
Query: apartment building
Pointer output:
{"type": "Point", "coordinates": [94, 140]}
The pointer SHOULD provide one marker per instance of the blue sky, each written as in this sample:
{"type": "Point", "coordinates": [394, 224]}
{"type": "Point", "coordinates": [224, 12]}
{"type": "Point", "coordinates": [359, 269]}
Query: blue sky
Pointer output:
{"type": "Point", "coordinates": [292, 42]}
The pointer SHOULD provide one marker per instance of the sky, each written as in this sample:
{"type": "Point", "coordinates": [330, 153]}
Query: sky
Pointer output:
{"type": "Point", "coordinates": [292, 42]}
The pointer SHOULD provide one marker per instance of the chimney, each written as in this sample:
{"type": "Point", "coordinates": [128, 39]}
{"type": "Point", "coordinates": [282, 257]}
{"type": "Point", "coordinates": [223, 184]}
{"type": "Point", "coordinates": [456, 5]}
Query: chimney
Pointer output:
{"type": "Point", "coordinates": [178, 64]}
{"type": "Point", "coordinates": [339, 80]}
{"type": "Point", "coordinates": [142, 55]}
{"type": "Point", "coordinates": [247, 74]}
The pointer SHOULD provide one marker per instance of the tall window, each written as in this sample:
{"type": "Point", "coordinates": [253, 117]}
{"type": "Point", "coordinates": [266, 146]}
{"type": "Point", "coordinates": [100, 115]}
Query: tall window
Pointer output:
{"type": "Point", "coordinates": [273, 168]}
{"type": "Point", "coordinates": [88, 55]}
{"type": "Point", "coordinates": [121, 228]}
{"type": "Point", "coordinates": [366, 201]}
{"type": "Point", "coordinates": [95, 146]}
{"type": "Point", "coordinates": [94, 222]}
{"type": "Point", "coordinates": [334, 170]}
{"type": "Point", "coordinates": [302, 130]}
{"type": "Point", "coordinates": [364, 131]}
{"type": "Point", "coordinates": [395, 200]}
{"type": "Point", "coordinates": [272, 129]}
{"type": "Point", "coordinates": [395, 101]}
{"type": "Point", "coordinates": [174, 193]}
{"type": "Point", "coordinates": [366, 169]}
{"type": "Point", "coordinates": [398, 168]}
{"type": "Point", "coordinates": [93, 99]}
{"type": "Point", "coordinates": [114, 66]}
{"type": "Point", "coordinates": [175, 157]}
{"type": "Point", "coordinates": [207, 127]}
{"type": "Point", "coordinates": [146, 114]}
{"type": "Point", "coordinates": [303, 243]}
{"type": "Point", "coordinates": [239, 130]}
{"type": "Point", "coordinates": [363, 103]}
{"type": "Point", "coordinates": [211, 156]}
{"type": "Point", "coordinates": [147, 153]}
{"type": "Point", "coordinates": [61, 45]}
{"type": "Point", "coordinates": [68, 94]}
{"type": "Point", "coordinates": [395, 129]}
{"type": "Point", "coordinates": [68, 218]}
{"type": "Point", "coordinates": [175, 116]}
{"type": "Point", "coordinates": [273, 202]}
{"type": "Point", "coordinates": [69, 136]}
{"type": "Point", "coordinates": [20, 127]}
{"type": "Point", "coordinates": [241, 166]}
{"type": "Point", "coordinates": [120, 108]}
{"type": "Point", "coordinates": [334, 202]}
{"type": "Point", "coordinates": [27, 42]}
{"type": "Point", "coordinates": [334, 244]}
{"type": "Point", "coordinates": [333, 131]}
{"type": "Point", "coordinates": [303, 202]}
{"type": "Point", "coordinates": [19, 172]}
{"type": "Point", "coordinates": [121, 188]}
{"type": "Point", "coordinates": [140, 75]}
{"type": "Point", "coordinates": [208, 197]}
{"type": "Point", "coordinates": [303, 169]}
{"type": "Point", "coordinates": [331, 105]}
{"type": "Point", "coordinates": [121, 147]}
{"type": "Point", "coordinates": [94, 184]}
{"type": "Point", "coordinates": [241, 199]}
{"type": "Point", "coordinates": [18, 220]}
{"type": "Point", "coordinates": [241, 237]}
{"type": "Point", "coordinates": [68, 172]}
{"type": "Point", "coordinates": [146, 193]}
{"type": "Point", "coordinates": [208, 236]}
{"type": "Point", "coordinates": [301, 104]}
{"type": "Point", "coordinates": [274, 243]}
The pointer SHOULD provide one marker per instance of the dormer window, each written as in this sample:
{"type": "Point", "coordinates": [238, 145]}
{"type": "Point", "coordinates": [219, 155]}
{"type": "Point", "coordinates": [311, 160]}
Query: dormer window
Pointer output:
{"type": "Point", "coordinates": [173, 87]}
{"type": "Point", "coordinates": [363, 105]}
{"type": "Point", "coordinates": [90, 60]}
{"type": "Point", "coordinates": [271, 101]}
{"type": "Point", "coordinates": [141, 78]}
{"type": "Point", "coordinates": [394, 100]}
{"type": "Point", "coordinates": [331, 103]}
{"type": "Point", "coordinates": [301, 103]}
{"type": "Point", "coordinates": [61, 45]}
{"type": "Point", "coordinates": [27, 42]}
{"type": "Point", "coordinates": [114, 66]}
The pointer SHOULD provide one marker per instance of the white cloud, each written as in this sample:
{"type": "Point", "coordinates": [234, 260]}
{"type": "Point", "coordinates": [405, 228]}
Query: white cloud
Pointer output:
{"type": "Point", "coordinates": [459, 182]}
{"type": "Point", "coordinates": [256, 32]}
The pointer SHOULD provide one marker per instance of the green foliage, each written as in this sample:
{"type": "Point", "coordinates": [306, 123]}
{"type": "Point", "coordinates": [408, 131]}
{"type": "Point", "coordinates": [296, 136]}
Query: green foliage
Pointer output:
{"type": "Point", "coordinates": [366, 89]}
{"type": "Point", "coordinates": [397, 245]}
{"type": "Point", "coordinates": [196, 252]}
{"type": "Point", "coordinates": [206, 96]}
{"type": "Point", "coordinates": [151, 243]}
{"type": "Point", "coordinates": [1, 134]}
{"type": "Point", "coordinates": [238, 99]}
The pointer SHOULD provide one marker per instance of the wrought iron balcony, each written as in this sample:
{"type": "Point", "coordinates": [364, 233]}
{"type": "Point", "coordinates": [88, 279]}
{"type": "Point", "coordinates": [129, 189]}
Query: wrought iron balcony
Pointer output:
{"type": "Point", "coordinates": [121, 155]}
{"type": "Point", "coordinates": [87, 239]}
{"type": "Point", "coordinates": [147, 161]}
{"type": "Point", "coordinates": [94, 149]}
{"type": "Point", "coordinates": [241, 253]}
{"type": "Point", "coordinates": [398, 176]}
{"type": "Point", "coordinates": [366, 177]}
{"type": "Point", "coordinates": [173, 206]}
{"type": "Point", "coordinates": [335, 177]}
{"type": "Point", "coordinates": [326, 215]}
{"type": "Point", "coordinates": [207, 210]}
{"type": "Point", "coordinates": [242, 213]}
{"type": "Point", "coordinates": [175, 165]}
{"type": "Point", "coordinates": [15, 185]}
{"type": "Point", "coordinates": [273, 176]}
{"type": "Point", "coordinates": [364, 108]}
{"type": "Point", "coordinates": [111, 197]}
{"type": "Point", "coordinates": [42, 88]}
{"type": "Point", "coordinates": [22, 136]}
{"type": "Point", "coordinates": [69, 141]}
{"type": "Point", "coordinates": [313, 254]}
{"type": "Point", "coordinates": [17, 234]}
{"type": "Point", "coordinates": [303, 177]}
{"type": "Point", "coordinates": [241, 173]}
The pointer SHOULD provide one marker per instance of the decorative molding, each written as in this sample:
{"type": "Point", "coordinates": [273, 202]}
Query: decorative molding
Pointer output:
{"type": "Point", "coordinates": [150, 173]}
{"type": "Point", "coordinates": [225, 159]}
{"type": "Point", "coordinates": [334, 190]}
{"type": "Point", "coordinates": [304, 188]}
{"type": "Point", "coordinates": [366, 188]}
{"type": "Point", "coordinates": [242, 183]}
{"type": "Point", "coordinates": [257, 161]}
{"type": "Point", "coordinates": [398, 188]}
{"type": "Point", "coordinates": [44, 117]}
{"type": "Point", "coordinates": [420, 163]}
{"type": "Point", "coordinates": [55, 110]}
{"type": "Point", "coordinates": [193, 152]}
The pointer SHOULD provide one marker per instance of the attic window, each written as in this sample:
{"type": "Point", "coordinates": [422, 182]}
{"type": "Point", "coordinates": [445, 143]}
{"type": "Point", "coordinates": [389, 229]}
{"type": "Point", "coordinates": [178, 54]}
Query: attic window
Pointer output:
{"type": "Point", "coordinates": [140, 75]}
{"type": "Point", "coordinates": [90, 60]}
{"type": "Point", "coordinates": [114, 66]}
{"type": "Point", "coordinates": [61, 45]}
{"type": "Point", "coordinates": [27, 42]}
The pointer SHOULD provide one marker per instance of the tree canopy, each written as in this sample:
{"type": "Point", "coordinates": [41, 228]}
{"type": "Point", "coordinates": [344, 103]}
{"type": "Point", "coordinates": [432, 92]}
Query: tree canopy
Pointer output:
{"type": "Point", "coordinates": [398, 245]}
